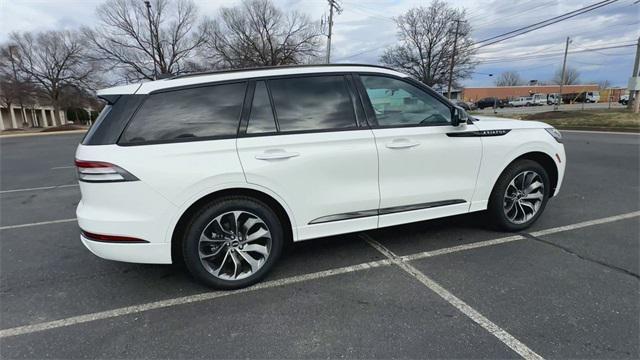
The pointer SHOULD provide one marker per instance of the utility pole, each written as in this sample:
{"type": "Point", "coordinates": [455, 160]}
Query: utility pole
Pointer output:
{"type": "Point", "coordinates": [15, 83]}
{"type": "Point", "coordinates": [153, 49]}
{"type": "Point", "coordinates": [635, 81]}
{"type": "Point", "coordinates": [333, 4]}
{"type": "Point", "coordinates": [562, 76]}
{"type": "Point", "coordinates": [453, 57]}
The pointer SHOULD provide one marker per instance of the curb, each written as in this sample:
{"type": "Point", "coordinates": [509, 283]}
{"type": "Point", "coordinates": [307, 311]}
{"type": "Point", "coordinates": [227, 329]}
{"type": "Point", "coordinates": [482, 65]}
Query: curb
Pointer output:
{"type": "Point", "coordinates": [43, 133]}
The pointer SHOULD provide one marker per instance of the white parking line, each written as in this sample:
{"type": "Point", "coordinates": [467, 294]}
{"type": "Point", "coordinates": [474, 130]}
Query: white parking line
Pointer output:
{"type": "Point", "coordinates": [495, 330]}
{"type": "Point", "coordinates": [21, 330]}
{"type": "Point", "coordinates": [37, 224]}
{"type": "Point", "coordinates": [586, 223]}
{"type": "Point", "coordinates": [39, 188]}
{"type": "Point", "coordinates": [470, 246]}
{"type": "Point", "coordinates": [27, 329]}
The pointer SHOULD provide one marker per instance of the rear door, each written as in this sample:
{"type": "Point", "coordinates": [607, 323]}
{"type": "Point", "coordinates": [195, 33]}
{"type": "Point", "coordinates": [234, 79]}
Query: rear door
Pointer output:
{"type": "Point", "coordinates": [428, 168]}
{"type": "Point", "coordinates": [310, 150]}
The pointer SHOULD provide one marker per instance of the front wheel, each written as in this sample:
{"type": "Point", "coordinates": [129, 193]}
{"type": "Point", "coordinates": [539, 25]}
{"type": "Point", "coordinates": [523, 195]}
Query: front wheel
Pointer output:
{"type": "Point", "coordinates": [233, 242]}
{"type": "Point", "coordinates": [519, 196]}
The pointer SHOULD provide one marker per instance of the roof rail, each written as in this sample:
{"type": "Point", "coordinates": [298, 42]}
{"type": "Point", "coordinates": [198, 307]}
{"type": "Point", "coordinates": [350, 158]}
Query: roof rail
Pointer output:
{"type": "Point", "coordinates": [225, 71]}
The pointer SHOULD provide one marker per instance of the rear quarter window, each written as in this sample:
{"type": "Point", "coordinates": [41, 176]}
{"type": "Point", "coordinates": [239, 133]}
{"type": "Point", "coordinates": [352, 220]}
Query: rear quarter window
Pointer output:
{"type": "Point", "coordinates": [179, 115]}
{"type": "Point", "coordinates": [114, 117]}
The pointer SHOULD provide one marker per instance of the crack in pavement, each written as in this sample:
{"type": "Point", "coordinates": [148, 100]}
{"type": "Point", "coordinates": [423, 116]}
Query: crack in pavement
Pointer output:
{"type": "Point", "coordinates": [571, 252]}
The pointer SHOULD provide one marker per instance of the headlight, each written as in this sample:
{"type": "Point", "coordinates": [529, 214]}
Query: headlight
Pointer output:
{"type": "Point", "coordinates": [555, 133]}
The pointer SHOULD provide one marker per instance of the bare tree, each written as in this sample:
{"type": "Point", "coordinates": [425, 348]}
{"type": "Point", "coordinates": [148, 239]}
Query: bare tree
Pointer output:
{"type": "Point", "coordinates": [509, 78]}
{"type": "Point", "coordinates": [426, 44]}
{"type": "Point", "coordinates": [257, 33]}
{"type": "Point", "coordinates": [127, 39]}
{"type": "Point", "coordinates": [604, 84]}
{"type": "Point", "coordinates": [53, 60]}
{"type": "Point", "coordinates": [14, 88]}
{"type": "Point", "coordinates": [571, 76]}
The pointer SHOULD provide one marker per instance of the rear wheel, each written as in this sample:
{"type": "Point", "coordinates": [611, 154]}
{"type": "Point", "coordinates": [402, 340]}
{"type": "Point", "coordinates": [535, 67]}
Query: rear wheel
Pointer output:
{"type": "Point", "coordinates": [519, 196]}
{"type": "Point", "coordinates": [233, 242]}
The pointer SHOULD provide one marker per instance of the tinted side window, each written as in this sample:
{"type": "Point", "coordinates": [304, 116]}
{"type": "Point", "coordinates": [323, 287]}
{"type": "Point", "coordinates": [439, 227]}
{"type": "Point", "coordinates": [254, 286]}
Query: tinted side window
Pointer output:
{"type": "Point", "coordinates": [190, 113]}
{"type": "Point", "coordinates": [396, 102]}
{"type": "Point", "coordinates": [112, 120]}
{"type": "Point", "coordinates": [261, 117]}
{"type": "Point", "coordinates": [312, 103]}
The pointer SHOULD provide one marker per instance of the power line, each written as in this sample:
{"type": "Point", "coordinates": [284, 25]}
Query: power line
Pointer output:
{"type": "Point", "coordinates": [546, 55]}
{"type": "Point", "coordinates": [541, 24]}
{"type": "Point", "coordinates": [519, 13]}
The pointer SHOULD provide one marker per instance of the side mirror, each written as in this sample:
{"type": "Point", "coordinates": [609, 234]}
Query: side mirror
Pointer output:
{"type": "Point", "coordinates": [459, 117]}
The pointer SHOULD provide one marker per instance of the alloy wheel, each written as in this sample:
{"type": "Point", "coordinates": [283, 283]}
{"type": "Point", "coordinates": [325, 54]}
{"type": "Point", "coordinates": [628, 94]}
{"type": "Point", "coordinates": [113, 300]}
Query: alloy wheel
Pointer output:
{"type": "Point", "coordinates": [523, 197]}
{"type": "Point", "coordinates": [235, 245]}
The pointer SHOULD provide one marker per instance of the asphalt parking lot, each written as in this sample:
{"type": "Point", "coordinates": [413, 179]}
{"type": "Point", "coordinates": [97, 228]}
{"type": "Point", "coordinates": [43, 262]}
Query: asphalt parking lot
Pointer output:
{"type": "Point", "coordinates": [449, 288]}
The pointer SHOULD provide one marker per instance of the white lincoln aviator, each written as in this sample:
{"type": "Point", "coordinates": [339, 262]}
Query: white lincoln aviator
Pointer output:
{"type": "Point", "coordinates": [220, 170]}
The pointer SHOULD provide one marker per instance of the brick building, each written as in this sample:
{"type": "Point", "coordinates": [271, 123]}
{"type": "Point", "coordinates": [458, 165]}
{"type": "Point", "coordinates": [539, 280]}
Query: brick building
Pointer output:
{"type": "Point", "coordinates": [509, 92]}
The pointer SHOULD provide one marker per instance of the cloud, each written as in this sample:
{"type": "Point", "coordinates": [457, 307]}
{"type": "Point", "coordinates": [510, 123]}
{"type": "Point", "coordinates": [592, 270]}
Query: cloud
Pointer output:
{"type": "Point", "coordinates": [365, 28]}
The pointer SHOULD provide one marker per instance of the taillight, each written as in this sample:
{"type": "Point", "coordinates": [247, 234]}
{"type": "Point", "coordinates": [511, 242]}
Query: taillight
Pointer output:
{"type": "Point", "coordinates": [99, 171]}
{"type": "Point", "coordinates": [111, 238]}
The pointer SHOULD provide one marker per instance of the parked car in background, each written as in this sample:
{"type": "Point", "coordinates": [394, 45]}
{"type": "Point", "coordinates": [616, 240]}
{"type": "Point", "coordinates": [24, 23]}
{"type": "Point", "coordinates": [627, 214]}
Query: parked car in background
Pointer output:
{"type": "Point", "coordinates": [490, 102]}
{"type": "Point", "coordinates": [553, 99]}
{"type": "Point", "coordinates": [522, 101]}
{"type": "Point", "coordinates": [465, 105]}
{"type": "Point", "coordinates": [539, 99]}
{"type": "Point", "coordinates": [624, 100]}
{"type": "Point", "coordinates": [592, 96]}
{"type": "Point", "coordinates": [220, 170]}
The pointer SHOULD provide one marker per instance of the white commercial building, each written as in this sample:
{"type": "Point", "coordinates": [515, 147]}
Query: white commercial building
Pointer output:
{"type": "Point", "coordinates": [15, 117]}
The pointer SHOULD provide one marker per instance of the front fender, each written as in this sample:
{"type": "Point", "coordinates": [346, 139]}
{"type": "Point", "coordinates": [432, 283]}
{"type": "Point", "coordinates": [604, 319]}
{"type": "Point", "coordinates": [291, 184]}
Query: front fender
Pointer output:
{"type": "Point", "coordinates": [500, 151]}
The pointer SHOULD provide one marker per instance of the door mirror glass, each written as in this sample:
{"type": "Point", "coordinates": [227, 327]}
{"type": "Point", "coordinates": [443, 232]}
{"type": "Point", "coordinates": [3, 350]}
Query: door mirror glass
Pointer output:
{"type": "Point", "coordinates": [459, 117]}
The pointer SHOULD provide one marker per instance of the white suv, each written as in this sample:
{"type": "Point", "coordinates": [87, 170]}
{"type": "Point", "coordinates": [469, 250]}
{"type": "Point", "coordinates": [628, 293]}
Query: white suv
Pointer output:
{"type": "Point", "coordinates": [223, 169]}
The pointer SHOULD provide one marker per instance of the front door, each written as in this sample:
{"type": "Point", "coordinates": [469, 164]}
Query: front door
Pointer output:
{"type": "Point", "coordinates": [426, 171]}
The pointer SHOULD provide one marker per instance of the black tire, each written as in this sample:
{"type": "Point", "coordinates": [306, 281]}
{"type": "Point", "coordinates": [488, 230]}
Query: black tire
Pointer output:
{"type": "Point", "coordinates": [496, 207]}
{"type": "Point", "coordinates": [193, 231]}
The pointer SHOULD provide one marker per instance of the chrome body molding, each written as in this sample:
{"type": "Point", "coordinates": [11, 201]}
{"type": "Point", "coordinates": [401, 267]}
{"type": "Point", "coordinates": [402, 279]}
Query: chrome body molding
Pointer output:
{"type": "Point", "coordinates": [385, 211]}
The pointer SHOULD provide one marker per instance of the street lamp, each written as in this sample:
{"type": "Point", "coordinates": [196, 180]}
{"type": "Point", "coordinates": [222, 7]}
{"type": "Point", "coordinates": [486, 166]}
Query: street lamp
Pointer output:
{"type": "Point", "coordinates": [153, 50]}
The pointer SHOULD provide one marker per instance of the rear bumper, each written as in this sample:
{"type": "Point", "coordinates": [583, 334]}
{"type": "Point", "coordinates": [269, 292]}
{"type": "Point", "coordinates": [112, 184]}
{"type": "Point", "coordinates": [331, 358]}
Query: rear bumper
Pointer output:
{"type": "Point", "coordinates": [147, 253]}
{"type": "Point", "coordinates": [127, 209]}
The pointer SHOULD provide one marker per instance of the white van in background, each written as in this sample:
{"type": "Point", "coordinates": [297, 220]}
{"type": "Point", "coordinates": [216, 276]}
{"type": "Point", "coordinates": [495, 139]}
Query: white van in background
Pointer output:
{"type": "Point", "coordinates": [592, 97]}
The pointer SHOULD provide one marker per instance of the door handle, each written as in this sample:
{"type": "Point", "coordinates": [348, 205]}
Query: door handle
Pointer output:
{"type": "Point", "coordinates": [401, 144]}
{"type": "Point", "coordinates": [275, 155]}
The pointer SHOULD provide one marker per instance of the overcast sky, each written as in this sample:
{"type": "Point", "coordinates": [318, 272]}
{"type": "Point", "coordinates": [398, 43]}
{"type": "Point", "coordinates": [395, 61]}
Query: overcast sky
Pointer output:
{"type": "Point", "coordinates": [364, 28]}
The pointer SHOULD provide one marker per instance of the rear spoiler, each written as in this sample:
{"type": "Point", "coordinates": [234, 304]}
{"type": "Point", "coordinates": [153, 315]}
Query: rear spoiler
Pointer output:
{"type": "Point", "coordinates": [112, 94]}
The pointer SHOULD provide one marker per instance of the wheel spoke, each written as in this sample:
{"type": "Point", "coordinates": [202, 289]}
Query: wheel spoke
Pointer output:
{"type": "Point", "coordinates": [534, 196]}
{"type": "Point", "coordinates": [248, 225]}
{"type": "Point", "coordinates": [216, 272]}
{"type": "Point", "coordinates": [533, 186]}
{"type": "Point", "coordinates": [217, 221]}
{"type": "Point", "coordinates": [236, 219]}
{"type": "Point", "coordinates": [530, 206]}
{"type": "Point", "coordinates": [207, 256]}
{"type": "Point", "coordinates": [236, 263]}
{"type": "Point", "coordinates": [524, 213]}
{"type": "Point", "coordinates": [205, 238]}
{"type": "Point", "coordinates": [255, 264]}
{"type": "Point", "coordinates": [261, 249]}
{"type": "Point", "coordinates": [260, 233]}
{"type": "Point", "coordinates": [513, 202]}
